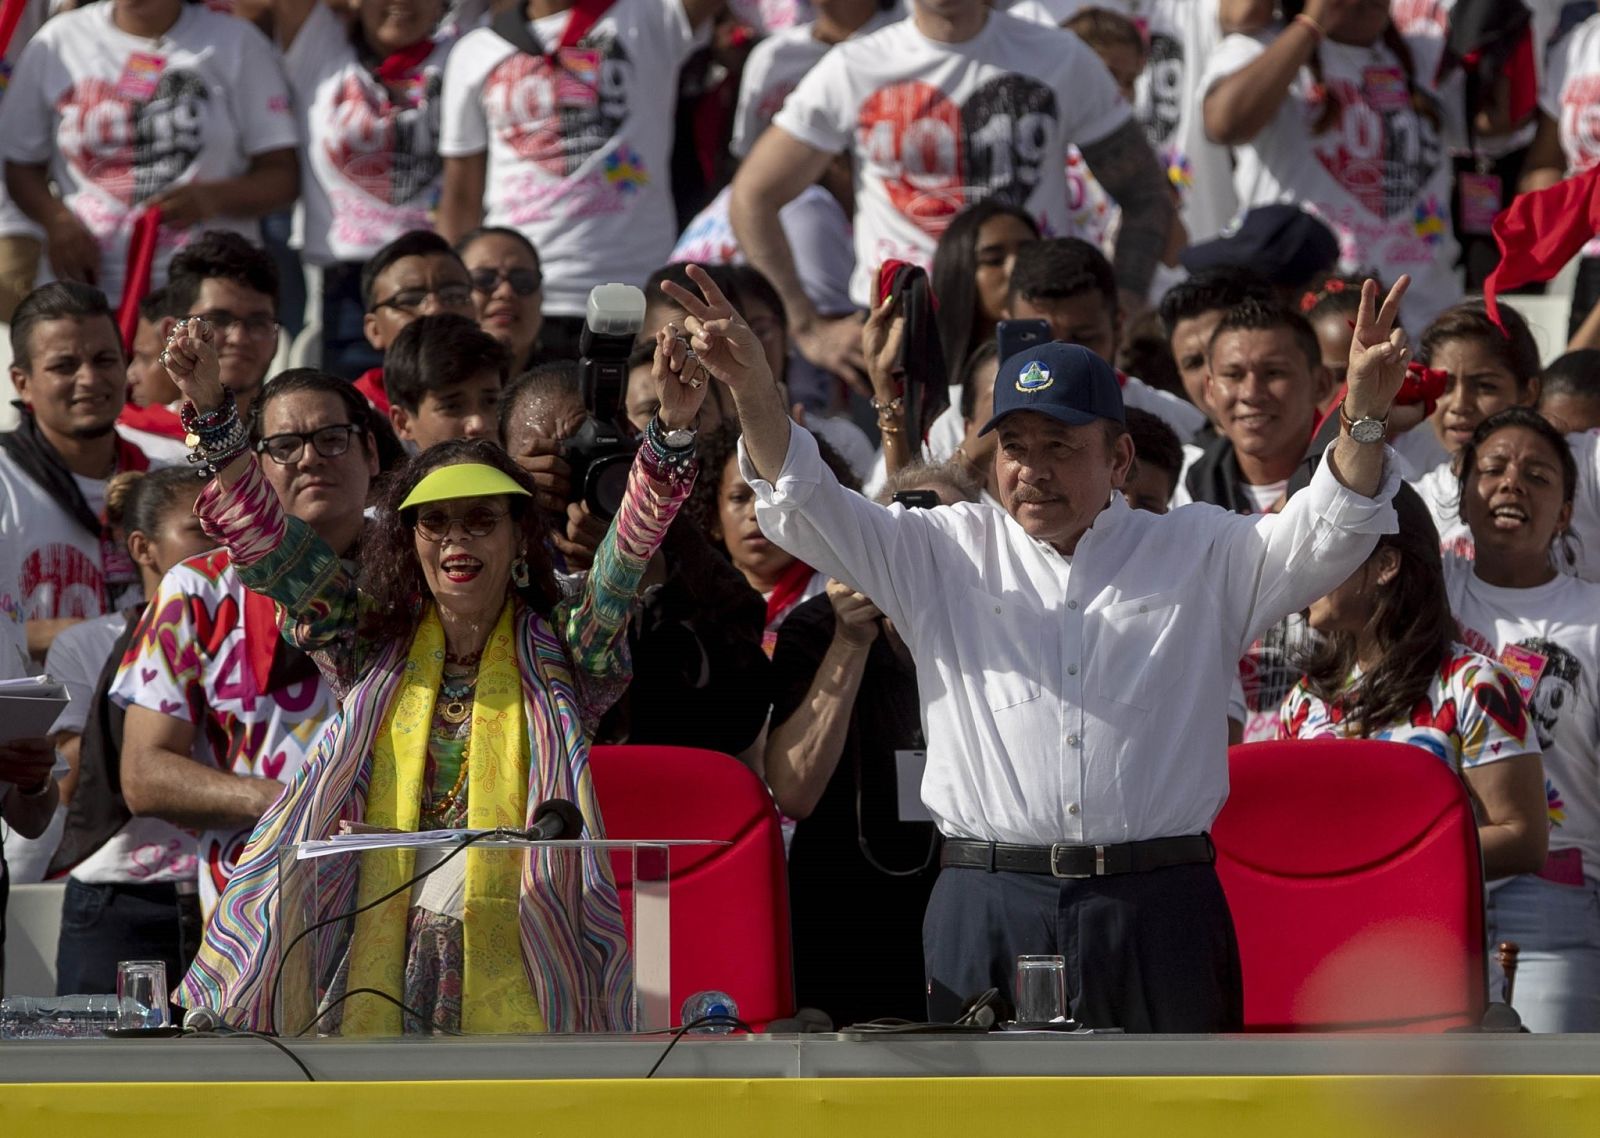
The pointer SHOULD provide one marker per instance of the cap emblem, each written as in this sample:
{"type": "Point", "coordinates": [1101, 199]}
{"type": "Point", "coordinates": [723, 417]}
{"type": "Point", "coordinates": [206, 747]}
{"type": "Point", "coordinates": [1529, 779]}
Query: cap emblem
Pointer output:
{"type": "Point", "coordinates": [1034, 378]}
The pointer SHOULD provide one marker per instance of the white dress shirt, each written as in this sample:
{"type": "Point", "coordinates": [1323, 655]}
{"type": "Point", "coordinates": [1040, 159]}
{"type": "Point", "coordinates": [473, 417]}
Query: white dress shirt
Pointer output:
{"type": "Point", "coordinates": [1074, 699]}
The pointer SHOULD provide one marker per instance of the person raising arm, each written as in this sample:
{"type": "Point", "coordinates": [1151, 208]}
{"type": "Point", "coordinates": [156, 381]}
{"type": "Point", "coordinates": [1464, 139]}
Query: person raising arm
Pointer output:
{"type": "Point", "coordinates": [1072, 655]}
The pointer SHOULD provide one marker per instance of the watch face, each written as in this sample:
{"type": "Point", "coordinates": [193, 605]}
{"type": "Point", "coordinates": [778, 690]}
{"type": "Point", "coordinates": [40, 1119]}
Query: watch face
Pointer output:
{"type": "Point", "coordinates": [679, 438]}
{"type": "Point", "coordinates": [1367, 431]}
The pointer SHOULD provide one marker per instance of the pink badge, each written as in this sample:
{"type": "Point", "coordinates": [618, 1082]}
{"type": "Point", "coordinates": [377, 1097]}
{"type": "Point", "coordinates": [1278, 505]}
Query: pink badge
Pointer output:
{"type": "Point", "coordinates": [1384, 89]}
{"type": "Point", "coordinates": [578, 85]}
{"type": "Point", "coordinates": [140, 76]}
{"type": "Point", "coordinates": [1480, 202]}
{"type": "Point", "coordinates": [1526, 665]}
{"type": "Point", "coordinates": [1564, 867]}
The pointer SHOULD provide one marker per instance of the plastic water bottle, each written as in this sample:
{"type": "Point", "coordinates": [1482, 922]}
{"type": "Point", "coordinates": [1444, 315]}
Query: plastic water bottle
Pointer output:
{"type": "Point", "coordinates": [66, 1017]}
{"type": "Point", "coordinates": [709, 1004]}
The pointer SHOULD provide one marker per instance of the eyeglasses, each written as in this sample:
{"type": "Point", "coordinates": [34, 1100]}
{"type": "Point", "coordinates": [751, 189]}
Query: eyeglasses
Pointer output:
{"type": "Point", "coordinates": [257, 327]}
{"type": "Point", "coordinates": [452, 295]}
{"type": "Point", "coordinates": [329, 442]}
{"type": "Point", "coordinates": [524, 282]}
{"type": "Point", "coordinates": [436, 525]}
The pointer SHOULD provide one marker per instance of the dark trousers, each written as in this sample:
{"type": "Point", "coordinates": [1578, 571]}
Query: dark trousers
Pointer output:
{"type": "Point", "coordinates": [104, 924]}
{"type": "Point", "coordinates": [1146, 952]}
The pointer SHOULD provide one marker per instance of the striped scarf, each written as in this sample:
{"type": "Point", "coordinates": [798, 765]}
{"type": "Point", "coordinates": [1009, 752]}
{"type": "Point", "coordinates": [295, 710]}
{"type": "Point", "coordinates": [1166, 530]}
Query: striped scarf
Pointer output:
{"type": "Point", "coordinates": [574, 950]}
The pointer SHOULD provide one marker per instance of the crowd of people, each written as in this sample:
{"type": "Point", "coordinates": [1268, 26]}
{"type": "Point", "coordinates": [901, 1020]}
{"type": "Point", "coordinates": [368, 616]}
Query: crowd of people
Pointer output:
{"type": "Point", "coordinates": [1187, 429]}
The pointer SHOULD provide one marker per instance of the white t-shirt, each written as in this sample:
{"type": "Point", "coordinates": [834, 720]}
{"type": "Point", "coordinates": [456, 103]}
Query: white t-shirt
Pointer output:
{"type": "Point", "coordinates": [190, 662]}
{"type": "Point", "coordinates": [370, 168]}
{"type": "Point", "coordinates": [13, 222]}
{"type": "Point", "coordinates": [768, 16]}
{"type": "Point", "coordinates": [146, 850]}
{"type": "Point", "coordinates": [1549, 638]}
{"type": "Point", "coordinates": [1381, 176]}
{"type": "Point", "coordinates": [50, 566]}
{"type": "Point", "coordinates": [120, 118]}
{"type": "Point", "coordinates": [818, 230]}
{"type": "Point", "coordinates": [1440, 490]}
{"type": "Point", "coordinates": [935, 127]}
{"type": "Point", "coordinates": [1181, 35]}
{"type": "Point", "coordinates": [578, 155]}
{"type": "Point", "coordinates": [775, 67]}
{"type": "Point", "coordinates": [1265, 495]}
{"type": "Point", "coordinates": [1570, 94]}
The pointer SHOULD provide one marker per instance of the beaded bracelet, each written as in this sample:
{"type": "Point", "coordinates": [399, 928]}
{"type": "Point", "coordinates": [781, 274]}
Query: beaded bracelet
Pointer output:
{"type": "Point", "coordinates": [194, 421]}
{"type": "Point", "coordinates": [670, 459]}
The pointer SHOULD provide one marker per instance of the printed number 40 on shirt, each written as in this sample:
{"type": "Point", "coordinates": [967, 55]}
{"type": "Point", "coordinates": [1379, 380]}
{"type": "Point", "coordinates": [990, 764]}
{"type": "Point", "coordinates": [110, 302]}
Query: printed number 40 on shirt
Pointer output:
{"type": "Point", "coordinates": [935, 155]}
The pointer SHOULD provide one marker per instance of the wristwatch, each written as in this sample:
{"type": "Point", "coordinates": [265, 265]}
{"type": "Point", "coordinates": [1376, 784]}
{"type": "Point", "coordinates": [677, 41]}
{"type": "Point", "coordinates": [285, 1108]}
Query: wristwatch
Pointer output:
{"type": "Point", "coordinates": [1365, 429]}
{"type": "Point", "coordinates": [675, 438]}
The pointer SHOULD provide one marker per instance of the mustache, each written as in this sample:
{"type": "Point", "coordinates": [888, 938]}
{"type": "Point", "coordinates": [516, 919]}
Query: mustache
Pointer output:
{"type": "Point", "coordinates": [1022, 496]}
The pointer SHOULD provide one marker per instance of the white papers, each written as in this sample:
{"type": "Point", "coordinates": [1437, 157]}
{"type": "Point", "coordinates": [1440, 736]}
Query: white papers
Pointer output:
{"type": "Point", "coordinates": [30, 706]}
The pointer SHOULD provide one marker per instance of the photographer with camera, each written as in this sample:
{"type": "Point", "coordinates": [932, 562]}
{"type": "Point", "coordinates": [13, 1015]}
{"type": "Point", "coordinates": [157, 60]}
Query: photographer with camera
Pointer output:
{"type": "Point", "coordinates": [700, 676]}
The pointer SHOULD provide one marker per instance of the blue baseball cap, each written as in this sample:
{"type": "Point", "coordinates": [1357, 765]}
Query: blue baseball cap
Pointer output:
{"type": "Point", "coordinates": [1065, 381]}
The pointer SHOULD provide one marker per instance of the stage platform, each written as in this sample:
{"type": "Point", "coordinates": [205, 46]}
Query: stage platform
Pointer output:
{"type": "Point", "coordinates": [815, 1085]}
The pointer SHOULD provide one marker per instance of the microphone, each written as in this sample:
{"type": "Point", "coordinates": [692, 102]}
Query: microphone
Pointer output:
{"type": "Point", "coordinates": [201, 1019]}
{"type": "Point", "coordinates": [555, 819]}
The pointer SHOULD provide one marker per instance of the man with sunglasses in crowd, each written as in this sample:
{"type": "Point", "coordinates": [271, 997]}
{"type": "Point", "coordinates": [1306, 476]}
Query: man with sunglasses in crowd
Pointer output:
{"type": "Point", "coordinates": [221, 711]}
{"type": "Point", "coordinates": [416, 274]}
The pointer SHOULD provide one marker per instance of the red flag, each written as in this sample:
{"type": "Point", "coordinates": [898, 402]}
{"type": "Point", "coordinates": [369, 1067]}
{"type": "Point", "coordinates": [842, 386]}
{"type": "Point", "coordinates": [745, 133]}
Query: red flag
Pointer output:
{"type": "Point", "coordinates": [1540, 232]}
{"type": "Point", "coordinates": [136, 282]}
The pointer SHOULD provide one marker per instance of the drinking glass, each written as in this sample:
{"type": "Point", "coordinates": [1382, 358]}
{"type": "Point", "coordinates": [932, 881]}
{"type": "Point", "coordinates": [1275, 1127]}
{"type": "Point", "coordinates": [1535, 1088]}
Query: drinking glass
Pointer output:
{"type": "Point", "coordinates": [142, 993]}
{"type": "Point", "coordinates": [1041, 989]}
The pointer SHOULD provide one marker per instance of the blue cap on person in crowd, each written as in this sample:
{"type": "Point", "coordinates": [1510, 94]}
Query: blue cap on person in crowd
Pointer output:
{"type": "Point", "coordinates": [1065, 381]}
{"type": "Point", "coordinates": [1282, 242]}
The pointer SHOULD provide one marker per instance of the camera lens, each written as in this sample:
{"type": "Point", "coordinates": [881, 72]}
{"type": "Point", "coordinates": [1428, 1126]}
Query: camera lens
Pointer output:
{"type": "Point", "coordinates": [607, 484]}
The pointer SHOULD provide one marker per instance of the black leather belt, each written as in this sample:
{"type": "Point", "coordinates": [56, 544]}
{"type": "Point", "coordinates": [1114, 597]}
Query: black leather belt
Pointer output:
{"type": "Point", "coordinates": [1062, 860]}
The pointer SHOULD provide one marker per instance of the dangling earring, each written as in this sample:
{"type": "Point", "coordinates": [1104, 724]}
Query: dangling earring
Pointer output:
{"type": "Point", "coordinates": [519, 573]}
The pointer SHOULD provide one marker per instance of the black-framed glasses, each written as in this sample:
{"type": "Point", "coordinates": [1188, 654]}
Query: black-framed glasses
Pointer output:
{"type": "Point", "coordinates": [452, 295]}
{"type": "Point", "coordinates": [258, 327]}
{"type": "Point", "coordinates": [329, 442]}
{"type": "Point", "coordinates": [523, 282]}
{"type": "Point", "coordinates": [437, 524]}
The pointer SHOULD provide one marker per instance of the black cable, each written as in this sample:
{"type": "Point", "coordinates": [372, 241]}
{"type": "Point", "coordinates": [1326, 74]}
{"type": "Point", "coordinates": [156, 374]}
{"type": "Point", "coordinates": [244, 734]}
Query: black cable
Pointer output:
{"type": "Point", "coordinates": [412, 1012]}
{"type": "Point", "coordinates": [866, 850]}
{"type": "Point", "coordinates": [235, 1032]}
{"type": "Point", "coordinates": [699, 1021]}
{"type": "Point", "coordinates": [395, 892]}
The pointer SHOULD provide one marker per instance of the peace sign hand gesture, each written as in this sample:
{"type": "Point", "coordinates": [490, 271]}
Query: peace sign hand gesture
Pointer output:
{"type": "Point", "coordinates": [718, 335]}
{"type": "Point", "coordinates": [1379, 352]}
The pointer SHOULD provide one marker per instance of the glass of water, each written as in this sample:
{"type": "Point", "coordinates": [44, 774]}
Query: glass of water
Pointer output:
{"type": "Point", "coordinates": [1041, 989]}
{"type": "Point", "coordinates": [142, 994]}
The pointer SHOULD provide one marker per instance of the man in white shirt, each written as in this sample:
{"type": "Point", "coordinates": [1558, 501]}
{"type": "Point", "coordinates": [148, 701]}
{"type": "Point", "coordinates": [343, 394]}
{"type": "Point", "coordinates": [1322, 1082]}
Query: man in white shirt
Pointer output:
{"type": "Point", "coordinates": [952, 105]}
{"type": "Point", "coordinates": [58, 561]}
{"type": "Point", "coordinates": [1072, 655]}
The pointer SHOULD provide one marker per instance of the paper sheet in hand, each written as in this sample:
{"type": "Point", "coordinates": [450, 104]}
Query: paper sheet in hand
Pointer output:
{"type": "Point", "coordinates": [30, 706]}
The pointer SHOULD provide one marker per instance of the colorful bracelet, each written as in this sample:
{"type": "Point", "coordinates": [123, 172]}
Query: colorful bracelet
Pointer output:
{"type": "Point", "coordinates": [664, 458]}
{"type": "Point", "coordinates": [194, 421]}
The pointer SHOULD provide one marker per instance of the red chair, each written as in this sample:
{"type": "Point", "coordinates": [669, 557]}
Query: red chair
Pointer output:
{"type": "Point", "coordinates": [730, 904]}
{"type": "Point", "coordinates": [1356, 884]}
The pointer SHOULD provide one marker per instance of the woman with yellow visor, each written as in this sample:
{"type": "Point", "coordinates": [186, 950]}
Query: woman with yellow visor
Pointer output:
{"type": "Point", "coordinates": [453, 614]}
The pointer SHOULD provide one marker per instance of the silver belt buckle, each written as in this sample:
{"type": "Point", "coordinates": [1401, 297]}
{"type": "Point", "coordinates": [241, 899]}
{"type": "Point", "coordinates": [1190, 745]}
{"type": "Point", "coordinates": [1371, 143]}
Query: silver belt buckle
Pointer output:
{"type": "Point", "coordinates": [1099, 863]}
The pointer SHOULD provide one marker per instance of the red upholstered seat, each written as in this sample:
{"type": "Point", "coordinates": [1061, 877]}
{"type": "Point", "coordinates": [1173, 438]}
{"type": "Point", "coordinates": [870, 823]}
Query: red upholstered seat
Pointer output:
{"type": "Point", "coordinates": [1353, 872]}
{"type": "Point", "coordinates": [730, 904]}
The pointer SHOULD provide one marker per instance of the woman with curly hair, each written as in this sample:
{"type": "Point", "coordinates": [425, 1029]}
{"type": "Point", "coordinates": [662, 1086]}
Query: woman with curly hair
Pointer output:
{"type": "Point", "coordinates": [1390, 666]}
{"type": "Point", "coordinates": [469, 689]}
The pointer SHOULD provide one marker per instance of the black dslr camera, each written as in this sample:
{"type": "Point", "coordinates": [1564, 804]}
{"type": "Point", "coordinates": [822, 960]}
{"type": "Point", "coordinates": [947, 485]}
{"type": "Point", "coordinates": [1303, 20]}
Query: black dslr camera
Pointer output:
{"type": "Point", "coordinates": [601, 452]}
